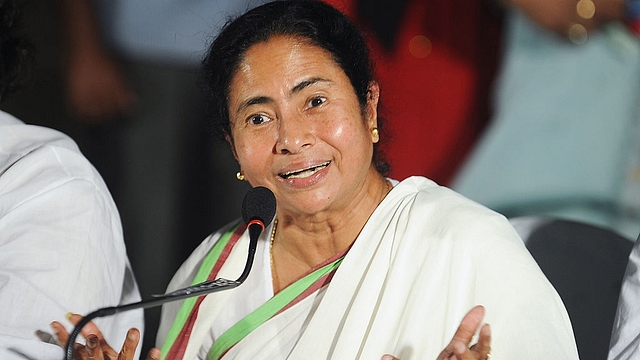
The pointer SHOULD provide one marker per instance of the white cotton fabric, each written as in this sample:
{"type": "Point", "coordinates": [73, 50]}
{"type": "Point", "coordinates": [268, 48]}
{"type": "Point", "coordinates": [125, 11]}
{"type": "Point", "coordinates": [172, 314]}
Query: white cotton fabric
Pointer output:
{"type": "Point", "coordinates": [61, 245]}
{"type": "Point", "coordinates": [625, 339]}
{"type": "Point", "coordinates": [425, 257]}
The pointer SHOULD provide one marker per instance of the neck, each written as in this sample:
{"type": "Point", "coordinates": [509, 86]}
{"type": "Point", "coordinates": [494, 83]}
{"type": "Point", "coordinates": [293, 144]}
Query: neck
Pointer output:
{"type": "Point", "coordinates": [299, 246]}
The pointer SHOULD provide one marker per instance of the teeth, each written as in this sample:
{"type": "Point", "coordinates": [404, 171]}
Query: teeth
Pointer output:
{"type": "Point", "coordinates": [300, 174]}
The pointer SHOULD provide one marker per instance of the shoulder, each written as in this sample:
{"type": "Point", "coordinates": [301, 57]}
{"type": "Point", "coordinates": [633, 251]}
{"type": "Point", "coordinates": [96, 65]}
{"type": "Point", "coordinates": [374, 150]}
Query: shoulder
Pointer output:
{"type": "Point", "coordinates": [37, 156]}
{"type": "Point", "coordinates": [439, 204]}
{"type": "Point", "coordinates": [46, 184]}
{"type": "Point", "coordinates": [435, 217]}
{"type": "Point", "coordinates": [190, 267]}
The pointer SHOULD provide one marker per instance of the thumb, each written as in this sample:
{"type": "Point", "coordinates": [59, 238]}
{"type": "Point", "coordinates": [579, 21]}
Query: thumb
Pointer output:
{"type": "Point", "coordinates": [389, 357]}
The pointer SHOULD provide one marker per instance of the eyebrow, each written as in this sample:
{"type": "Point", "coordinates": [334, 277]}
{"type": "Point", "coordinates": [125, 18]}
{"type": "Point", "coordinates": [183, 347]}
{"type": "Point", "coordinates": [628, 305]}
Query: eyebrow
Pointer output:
{"type": "Point", "coordinates": [306, 83]}
{"type": "Point", "coordinates": [296, 89]}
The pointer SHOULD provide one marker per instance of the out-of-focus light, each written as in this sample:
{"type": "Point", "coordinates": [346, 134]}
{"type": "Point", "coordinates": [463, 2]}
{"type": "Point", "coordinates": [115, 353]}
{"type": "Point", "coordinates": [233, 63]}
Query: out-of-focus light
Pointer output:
{"type": "Point", "coordinates": [586, 9]}
{"type": "Point", "coordinates": [578, 34]}
{"type": "Point", "coordinates": [420, 46]}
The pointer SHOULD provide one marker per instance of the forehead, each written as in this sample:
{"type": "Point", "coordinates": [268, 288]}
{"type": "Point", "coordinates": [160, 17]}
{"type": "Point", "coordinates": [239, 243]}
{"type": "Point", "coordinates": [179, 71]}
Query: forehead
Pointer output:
{"type": "Point", "coordinates": [284, 42]}
{"type": "Point", "coordinates": [282, 57]}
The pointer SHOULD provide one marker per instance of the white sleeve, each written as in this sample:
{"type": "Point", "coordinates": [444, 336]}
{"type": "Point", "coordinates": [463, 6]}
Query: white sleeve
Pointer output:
{"type": "Point", "coordinates": [61, 250]}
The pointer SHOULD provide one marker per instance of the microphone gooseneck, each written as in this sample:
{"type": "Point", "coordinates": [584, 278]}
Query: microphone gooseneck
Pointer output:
{"type": "Point", "coordinates": [258, 209]}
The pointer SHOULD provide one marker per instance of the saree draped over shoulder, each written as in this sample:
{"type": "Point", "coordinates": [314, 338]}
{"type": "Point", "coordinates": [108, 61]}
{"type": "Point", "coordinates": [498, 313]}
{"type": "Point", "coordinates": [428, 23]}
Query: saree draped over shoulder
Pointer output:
{"type": "Point", "coordinates": [425, 257]}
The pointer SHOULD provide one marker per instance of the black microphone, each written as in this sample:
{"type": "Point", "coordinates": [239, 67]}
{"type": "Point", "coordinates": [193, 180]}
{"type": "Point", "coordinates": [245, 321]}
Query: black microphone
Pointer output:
{"type": "Point", "coordinates": [258, 209]}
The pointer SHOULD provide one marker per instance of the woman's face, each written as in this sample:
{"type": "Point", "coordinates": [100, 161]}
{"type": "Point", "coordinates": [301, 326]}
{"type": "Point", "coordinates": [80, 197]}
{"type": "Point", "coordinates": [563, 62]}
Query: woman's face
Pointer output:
{"type": "Point", "coordinates": [298, 128]}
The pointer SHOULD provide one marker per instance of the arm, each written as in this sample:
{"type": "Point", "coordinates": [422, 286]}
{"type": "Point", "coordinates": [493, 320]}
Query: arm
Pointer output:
{"type": "Point", "coordinates": [96, 88]}
{"type": "Point", "coordinates": [61, 248]}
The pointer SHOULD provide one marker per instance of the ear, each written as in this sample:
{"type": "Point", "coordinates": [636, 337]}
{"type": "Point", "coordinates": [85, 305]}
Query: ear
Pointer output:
{"type": "Point", "coordinates": [371, 111]}
{"type": "Point", "coordinates": [229, 140]}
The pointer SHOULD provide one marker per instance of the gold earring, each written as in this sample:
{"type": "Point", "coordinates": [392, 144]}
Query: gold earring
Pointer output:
{"type": "Point", "coordinates": [240, 175]}
{"type": "Point", "coordinates": [375, 134]}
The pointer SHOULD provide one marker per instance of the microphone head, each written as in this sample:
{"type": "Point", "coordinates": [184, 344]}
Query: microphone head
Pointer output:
{"type": "Point", "coordinates": [259, 204]}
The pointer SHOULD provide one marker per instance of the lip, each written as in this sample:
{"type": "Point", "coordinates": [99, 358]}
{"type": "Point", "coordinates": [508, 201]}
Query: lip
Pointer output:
{"type": "Point", "coordinates": [300, 169]}
{"type": "Point", "coordinates": [320, 170]}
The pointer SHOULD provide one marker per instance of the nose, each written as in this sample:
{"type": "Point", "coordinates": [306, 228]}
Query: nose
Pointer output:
{"type": "Point", "coordinates": [294, 135]}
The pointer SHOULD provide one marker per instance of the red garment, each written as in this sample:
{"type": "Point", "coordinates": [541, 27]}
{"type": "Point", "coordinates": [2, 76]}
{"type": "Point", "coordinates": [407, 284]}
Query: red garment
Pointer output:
{"type": "Point", "coordinates": [434, 106]}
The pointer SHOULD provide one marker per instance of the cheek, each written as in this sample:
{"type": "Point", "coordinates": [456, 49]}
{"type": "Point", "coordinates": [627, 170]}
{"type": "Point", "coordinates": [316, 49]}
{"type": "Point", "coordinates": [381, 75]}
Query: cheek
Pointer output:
{"type": "Point", "coordinates": [351, 134]}
{"type": "Point", "coordinates": [251, 153]}
{"type": "Point", "coordinates": [353, 143]}
{"type": "Point", "coordinates": [244, 152]}
{"type": "Point", "coordinates": [346, 126]}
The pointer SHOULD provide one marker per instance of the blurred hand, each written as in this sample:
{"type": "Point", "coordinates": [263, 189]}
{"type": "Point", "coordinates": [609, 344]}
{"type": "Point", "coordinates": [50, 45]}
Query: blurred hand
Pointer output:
{"type": "Point", "coordinates": [96, 89]}
{"type": "Point", "coordinates": [458, 348]}
{"type": "Point", "coordinates": [96, 348]}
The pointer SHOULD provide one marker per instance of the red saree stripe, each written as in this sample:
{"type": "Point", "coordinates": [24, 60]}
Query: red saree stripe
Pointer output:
{"type": "Point", "coordinates": [180, 345]}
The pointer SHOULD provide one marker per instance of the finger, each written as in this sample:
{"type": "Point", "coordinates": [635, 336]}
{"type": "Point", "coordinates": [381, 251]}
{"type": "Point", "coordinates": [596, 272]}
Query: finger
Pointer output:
{"type": "Point", "coordinates": [464, 334]}
{"type": "Point", "coordinates": [89, 329]}
{"type": "Point", "coordinates": [479, 351]}
{"type": "Point", "coordinates": [63, 337]}
{"type": "Point", "coordinates": [462, 352]}
{"type": "Point", "coordinates": [61, 333]}
{"type": "Point", "coordinates": [154, 354]}
{"type": "Point", "coordinates": [389, 357]}
{"type": "Point", "coordinates": [483, 346]}
{"type": "Point", "coordinates": [469, 325]}
{"type": "Point", "coordinates": [92, 348]}
{"type": "Point", "coordinates": [446, 353]}
{"type": "Point", "coordinates": [130, 344]}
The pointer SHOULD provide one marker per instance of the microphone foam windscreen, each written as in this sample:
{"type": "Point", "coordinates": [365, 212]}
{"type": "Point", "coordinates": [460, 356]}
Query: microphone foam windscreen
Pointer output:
{"type": "Point", "coordinates": [259, 204]}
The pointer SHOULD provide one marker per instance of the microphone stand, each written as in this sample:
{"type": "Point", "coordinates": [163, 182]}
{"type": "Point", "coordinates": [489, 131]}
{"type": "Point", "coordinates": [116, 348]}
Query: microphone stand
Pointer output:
{"type": "Point", "coordinates": [219, 284]}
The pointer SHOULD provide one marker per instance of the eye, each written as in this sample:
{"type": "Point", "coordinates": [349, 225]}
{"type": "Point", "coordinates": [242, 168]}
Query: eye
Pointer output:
{"type": "Point", "coordinates": [317, 101]}
{"type": "Point", "coordinates": [258, 119]}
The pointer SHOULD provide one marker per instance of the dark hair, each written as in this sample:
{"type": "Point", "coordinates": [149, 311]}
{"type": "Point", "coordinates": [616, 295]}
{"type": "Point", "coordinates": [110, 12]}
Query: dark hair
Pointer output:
{"type": "Point", "coordinates": [315, 21]}
{"type": "Point", "coordinates": [16, 52]}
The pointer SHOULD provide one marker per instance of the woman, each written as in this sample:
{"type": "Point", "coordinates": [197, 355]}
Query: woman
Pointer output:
{"type": "Point", "coordinates": [354, 266]}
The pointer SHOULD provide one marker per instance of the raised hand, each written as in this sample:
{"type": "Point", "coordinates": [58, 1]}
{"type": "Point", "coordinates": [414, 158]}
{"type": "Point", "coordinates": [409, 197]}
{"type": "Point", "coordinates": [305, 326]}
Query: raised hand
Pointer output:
{"type": "Point", "coordinates": [96, 348]}
{"type": "Point", "coordinates": [459, 348]}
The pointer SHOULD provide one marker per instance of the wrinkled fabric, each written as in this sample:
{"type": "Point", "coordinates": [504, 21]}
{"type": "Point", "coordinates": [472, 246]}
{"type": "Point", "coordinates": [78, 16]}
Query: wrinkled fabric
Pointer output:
{"type": "Point", "coordinates": [425, 257]}
{"type": "Point", "coordinates": [61, 244]}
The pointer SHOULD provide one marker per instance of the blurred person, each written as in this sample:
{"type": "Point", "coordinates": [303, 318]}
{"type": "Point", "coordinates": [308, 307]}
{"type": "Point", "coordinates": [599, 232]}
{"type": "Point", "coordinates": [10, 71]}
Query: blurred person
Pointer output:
{"type": "Point", "coordinates": [353, 265]}
{"type": "Point", "coordinates": [131, 78]}
{"type": "Point", "coordinates": [61, 244]}
{"type": "Point", "coordinates": [564, 140]}
{"type": "Point", "coordinates": [436, 61]}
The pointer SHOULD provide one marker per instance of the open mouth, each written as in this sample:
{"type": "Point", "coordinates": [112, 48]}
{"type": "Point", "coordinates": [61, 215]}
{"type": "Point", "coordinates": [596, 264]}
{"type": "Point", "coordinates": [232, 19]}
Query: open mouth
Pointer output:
{"type": "Point", "coordinates": [303, 173]}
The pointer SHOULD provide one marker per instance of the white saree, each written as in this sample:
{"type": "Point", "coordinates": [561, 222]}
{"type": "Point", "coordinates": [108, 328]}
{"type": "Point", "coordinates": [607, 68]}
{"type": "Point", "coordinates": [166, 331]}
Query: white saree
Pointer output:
{"type": "Point", "coordinates": [425, 257]}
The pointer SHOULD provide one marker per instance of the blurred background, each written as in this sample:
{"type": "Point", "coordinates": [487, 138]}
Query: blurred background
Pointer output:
{"type": "Point", "coordinates": [529, 107]}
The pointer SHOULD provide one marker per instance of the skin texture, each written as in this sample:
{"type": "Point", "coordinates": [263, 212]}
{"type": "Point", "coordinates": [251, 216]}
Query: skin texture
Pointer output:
{"type": "Point", "coordinates": [292, 108]}
{"type": "Point", "coordinates": [96, 347]}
